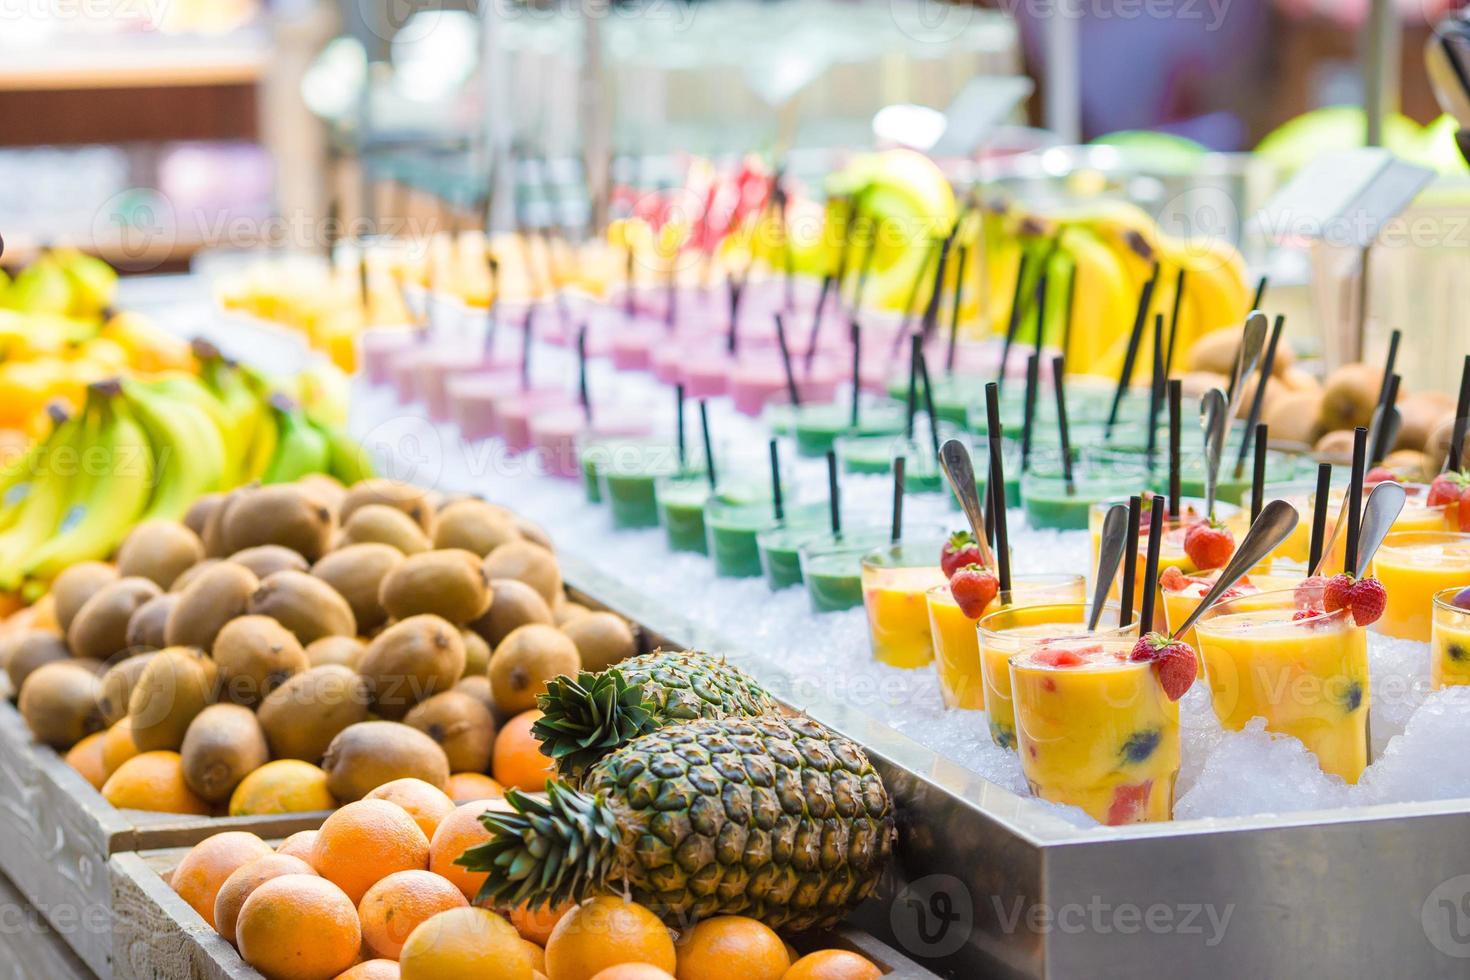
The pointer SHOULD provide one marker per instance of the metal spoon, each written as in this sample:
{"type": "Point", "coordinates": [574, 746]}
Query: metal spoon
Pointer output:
{"type": "Point", "coordinates": [954, 459]}
{"type": "Point", "coordinates": [1278, 519]}
{"type": "Point", "coordinates": [1214, 419]}
{"type": "Point", "coordinates": [1382, 509]}
{"type": "Point", "coordinates": [1109, 555]}
{"type": "Point", "coordinates": [1252, 339]}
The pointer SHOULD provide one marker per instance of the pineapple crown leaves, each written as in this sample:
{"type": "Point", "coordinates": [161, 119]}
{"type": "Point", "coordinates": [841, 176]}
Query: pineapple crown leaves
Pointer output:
{"type": "Point", "coordinates": [555, 850]}
{"type": "Point", "coordinates": [585, 719]}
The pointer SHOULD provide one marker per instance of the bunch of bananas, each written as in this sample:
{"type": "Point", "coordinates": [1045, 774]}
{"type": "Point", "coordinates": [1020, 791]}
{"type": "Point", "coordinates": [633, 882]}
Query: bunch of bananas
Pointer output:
{"type": "Point", "coordinates": [61, 281]}
{"type": "Point", "coordinates": [143, 449]}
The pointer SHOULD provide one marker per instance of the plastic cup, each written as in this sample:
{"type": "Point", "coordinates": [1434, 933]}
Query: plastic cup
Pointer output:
{"type": "Point", "coordinates": [1280, 468]}
{"type": "Point", "coordinates": [557, 435]}
{"type": "Point", "coordinates": [380, 347]}
{"type": "Point", "coordinates": [627, 474]}
{"type": "Point", "coordinates": [895, 578]}
{"type": "Point", "coordinates": [779, 547]}
{"type": "Point", "coordinates": [817, 427]}
{"type": "Point", "coordinates": [1050, 502]}
{"type": "Point", "coordinates": [1414, 566]}
{"type": "Point", "coordinates": [875, 455]}
{"type": "Point", "coordinates": [1449, 659]}
{"type": "Point", "coordinates": [832, 566]}
{"type": "Point", "coordinates": [733, 530]}
{"type": "Point", "coordinates": [1178, 604]}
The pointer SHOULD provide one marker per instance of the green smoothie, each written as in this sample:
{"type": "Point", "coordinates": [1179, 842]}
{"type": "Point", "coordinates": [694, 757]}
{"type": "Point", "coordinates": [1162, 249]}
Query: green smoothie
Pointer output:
{"type": "Point", "coordinates": [818, 426]}
{"type": "Point", "coordinates": [593, 453]}
{"type": "Point", "coordinates": [1280, 468]}
{"type": "Point", "coordinates": [779, 547]}
{"type": "Point", "coordinates": [626, 476]}
{"type": "Point", "coordinates": [681, 501]}
{"type": "Point", "coordinates": [832, 567]}
{"type": "Point", "coordinates": [732, 530]}
{"type": "Point", "coordinates": [875, 455]}
{"type": "Point", "coordinates": [1050, 503]}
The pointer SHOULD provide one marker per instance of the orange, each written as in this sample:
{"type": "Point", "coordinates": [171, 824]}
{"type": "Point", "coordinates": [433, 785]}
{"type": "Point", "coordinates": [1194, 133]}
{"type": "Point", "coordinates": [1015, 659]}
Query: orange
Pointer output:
{"type": "Point", "coordinates": [517, 760]}
{"type": "Point", "coordinates": [457, 833]}
{"type": "Point", "coordinates": [153, 781]}
{"type": "Point", "coordinates": [466, 786]}
{"type": "Point", "coordinates": [537, 955]}
{"type": "Point", "coordinates": [244, 880]}
{"type": "Point", "coordinates": [833, 964]}
{"type": "Point", "coordinates": [536, 924]}
{"type": "Point", "coordinates": [204, 869]}
{"type": "Point", "coordinates": [395, 906]}
{"type": "Point", "coordinates": [86, 758]}
{"type": "Point", "coordinates": [731, 947]}
{"type": "Point", "coordinates": [372, 970]}
{"type": "Point", "coordinates": [633, 971]}
{"type": "Point", "coordinates": [299, 927]}
{"type": "Point", "coordinates": [365, 842]}
{"type": "Point", "coordinates": [298, 845]}
{"type": "Point", "coordinates": [283, 786]}
{"type": "Point", "coordinates": [604, 932]}
{"type": "Point", "coordinates": [426, 803]}
{"type": "Point", "coordinates": [118, 746]}
{"type": "Point", "coordinates": [465, 942]}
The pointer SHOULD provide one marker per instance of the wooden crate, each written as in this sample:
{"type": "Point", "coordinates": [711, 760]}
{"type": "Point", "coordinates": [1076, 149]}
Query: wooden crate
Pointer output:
{"type": "Point", "coordinates": [29, 947]}
{"type": "Point", "coordinates": [158, 935]}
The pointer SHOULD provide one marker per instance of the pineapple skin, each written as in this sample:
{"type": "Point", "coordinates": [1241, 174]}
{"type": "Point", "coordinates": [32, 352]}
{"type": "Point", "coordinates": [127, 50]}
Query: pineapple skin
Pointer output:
{"type": "Point", "coordinates": [685, 686]}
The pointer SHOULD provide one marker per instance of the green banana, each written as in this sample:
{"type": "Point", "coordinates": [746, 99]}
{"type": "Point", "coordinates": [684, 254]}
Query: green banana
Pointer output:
{"type": "Point", "coordinates": [188, 449]}
{"type": "Point", "coordinates": [348, 461]}
{"type": "Point", "coordinates": [247, 417]}
{"type": "Point", "coordinates": [93, 282]}
{"type": "Point", "coordinates": [25, 474]}
{"type": "Point", "coordinates": [50, 494]}
{"type": "Point", "coordinates": [41, 287]}
{"type": "Point", "coordinates": [302, 448]}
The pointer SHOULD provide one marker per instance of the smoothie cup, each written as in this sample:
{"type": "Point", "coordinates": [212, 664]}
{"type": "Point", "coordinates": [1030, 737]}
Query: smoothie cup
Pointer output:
{"type": "Point", "coordinates": [732, 530]}
{"type": "Point", "coordinates": [895, 579]}
{"type": "Point", "coordinates": [1280, 467]}
{"type": "Point", "coordinates": [779, 547]}
{"type": "Point", "coordinates": [956, 636]}
{"type": "Point", "coordinates": [380, 347]}
{"type": "Point", "coordinates": [832, 565]}
{"type": "Point", "coordinates": [759, 379]}
{"type": "Point", "coordinates": [1449, 657]}
{"type": "Point", "coordinates": [472, 399]}
{"type": "Point", "coordinates": [681, 500]}
{"type": "Point", "coordinates": [1095, 729]}
{"type": "Point", "coordinates": [1417, 515]}
{"type": "Point", "coordinates": [1102, 475]}
{"type": "Point", "coordinates": [818, 426]}
{"type": "Point", "coordinates": [557, 436]}
{"type": "Point", "coordinates": [1181, 595]}
{"type": "Point", "coordinates": [875, 455]}
{"type": "Point", "coordinates": [627, 474]}
{"type": "Point", "coordinates": [595, 449]}
{"type": "Point", "coordinates": [514, 409]}
{"type": "Point", "coordinates": [1307, 677]}
{"type": "Point", "coordinates": [1003, 633]}
{"type": "Point", "coordinates": [1413, 566]}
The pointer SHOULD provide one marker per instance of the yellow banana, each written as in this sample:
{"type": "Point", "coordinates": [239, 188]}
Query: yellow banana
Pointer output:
{"type": "Point", "coordinates": [188, 450]}
{"type": "Point", "coordinates": [49, 495]}
{"type": "Point", "coordinates": [1102, 301]}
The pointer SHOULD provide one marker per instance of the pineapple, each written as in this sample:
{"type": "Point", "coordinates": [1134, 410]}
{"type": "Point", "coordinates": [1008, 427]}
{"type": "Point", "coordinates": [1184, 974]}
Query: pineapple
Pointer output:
{"type": "Point", "coordinates": [585, 719]}
{"type": "Point", "coordinates": [780, 819]}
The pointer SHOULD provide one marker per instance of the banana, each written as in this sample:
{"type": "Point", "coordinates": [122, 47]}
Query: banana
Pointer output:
{"type": "Point", "coordinates": [93, 282]}
{"type": "Point", "coordinates": [301, 450]}
{"type": "Point", "coordinates": [188, 450]}
{"type": "Point", "coordinates": [22, 474]}
{"type": "Point", "coordinates": [50, 494]}
{"type": "Point", "coordinates": [249, 430]}
{"type": "Point", "coordinates": [1102, 305]}
{"type": "Point", "coordinates": [41, 287]}
{"type": "Point", "coordinates": [347, 460]}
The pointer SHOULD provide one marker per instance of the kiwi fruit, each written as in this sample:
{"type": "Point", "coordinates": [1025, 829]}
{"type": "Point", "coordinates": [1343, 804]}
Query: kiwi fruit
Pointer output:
{"type": "Point", "coordinates": [223, 745]}
{"type": "Point", "coordinates": [32, 651]}
{"type": "Point", "coordinates": [177, 684]}
{"type": "Point", "coordinates": [1335, 447]}
{"type": "Point", "coordinates": [304, 604]}
{"type": "Point", "coordinates": [117, 687]}
{"type": "Point", "coordinates": [385, 525]}
{"type": "Point", "coordinates": [256, 655]}
{"type": "Point", "coordinates": [602, 639]}
{"type": "Point", "coordinates": [512, 604]}
{"type": "Point", "coordinates": [344, 650]}
{"type": "Point", "coordinates": [190, 574]}
{"type": "Point", "coordinates": [1349, 396]}
{"type": "Point", "coordinates": [213, 535]}
{"type": "Point", "coordinates": [476, 653]}
{"type": "Point", "coordinates": [474, 526]}
{"type": "Point", "coordinates": [367, 755]}
{"type": "Point", "coordinates": [325, 488]}
{"type": "Point", "coordinates": [160, 551]}
{"type": "Point", "coordinates": [529, 563]}
{"type": "Point", "coordinates": [75, 585]}
{"type": "Point", "coordinates": [450, 584]}
{"type": "Point", "coordinates": [1293, 417]}
{"type": "Point", "coordinates": [213, 598]}
{"type": "Point", "coordinates": [1411, 465]}
{"type": "Point", "coordinates": [357, 572]}
{"type": "Point", "coordinates": [303, 715]}
{"type": "Point", "coordinates": [409, 661]}
{"type": "Point", "coordinates": [525, 660]}
{"type": "Point", "coordinates": [1422, 413]}
{"type": "Point", "coordinates": [411, 500]}
{"type": "Point", "coordinates": [267, 559]}
{"type": "Point", "coordinates": [567, 610]}
{"type": "Point", "coordinates": [59, 703]}
{"type": "Point", "coordinates": [147, 625]}
{"type": "Point", "coordinates": [100, 628]}
{"type": "Point", "coordinates": [463, 727]}
{"type": "Point", "coordinates": [533, 532]}
{"type": "Point", "coordinates": [477, 686]}
{"type": "Point", "coordinates": [196, 518]}
{"type": "Point", "coordinates": [282, 514]}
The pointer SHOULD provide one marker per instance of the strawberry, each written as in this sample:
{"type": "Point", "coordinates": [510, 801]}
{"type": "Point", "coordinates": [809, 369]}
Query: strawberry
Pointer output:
{"type": "Point", "coordinates": [1335, 592]}
{"type": "Point", "coordinates": [1209, 545]}
{"type": "Point", "coordinates": [1174, 662]}
{"type": "Point", "coordinates": [1446, 489]}
{"type": "Point", "coordinates": [1309, 592]}
{"type": "Point", "coordinates": [974, 587]}
{"type": "Point", "coordinates": [1364, 598]}
{"type": "Point", "coordinates": [1172, 579]}
{"type": "Point", "coordinates": [1303, 614]}
{"type": "Point", "coordinates": [960, 550]}
{"type": "Point", "coordinates": [1377, 475]}
{"type": "Point", "coordinates": [1059, 657]}
{"type": "Point", "coordinates": [1465, 508]}
{"type": "Point", "coordinates": [1130, 804]}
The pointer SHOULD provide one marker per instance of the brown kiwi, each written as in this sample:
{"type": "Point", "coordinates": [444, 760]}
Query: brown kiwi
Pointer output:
{"type": "Point", "coordinates": [512, 604]}
{"type": "Point", "coordinates": [190, 574]}
{"type": "Point", "coordinates": [196, 518]}
{"type": "Point", "coordinates": [214, 597]}
{"type": "Point", "coordinates": [32, 651]}
{"type": "Point", "coordinates": [411, 500]}
{"type": "Point", "coordinates": [474, 526]}
{"type": "Point", "coordinates": [477, 687]}
{"type": "Point", "coordinates": [303, 715]}
{"type": "Point", "coordinates": [117, 687]}
{"type": "Point", "coordinates": [344, 650]}
{"type": "Point", "coordinates": [371, 753]}
{"type": "Point", "coordinates": [267, 559]}
{"type": "Point", "coordinates": [529, 563]}
{"type": "Point", "coordinates": [476, 653]}
{"type": "Point", "coordinates": [76, 584]}
{"type": "Point", "coordinates": [256, 655]}
{"type": "Point", "coordinates": [409, 661]}
{"type": "Point", "coordinates": [357, 572]}
{"type": "Point", "coordinates": [177, 684]}
{"type": "Point", "coordinates": [1335, 447]}
{"type": "Point", "coordinates": [325, 488]}
{"type": "Point", "coordinates": [567, 610]}
{"type": "Point", "coordinates": [525, 660]}
{"type": "Point", "coordinates": [385, 525]}
{"type": "Point", "coordinates": [463, 727]}
{"type": "Point", "coordinates": [450, 584]}
{"type": "Point", "coordinates": [213, 535]}
{"type": "Point", "coordinates": [602, 638]}
{"type": "Point", "coordinates": [1349, 396]}
{"type": "Point", "coordinates": [100, 628]}
{"type": "Point", "coordinates": [303, 604]}
{"type": "Point", "coordinates": [160, 551]}
{"type": "Point", "coordinates": [59, 703]}
{"type": "Point", "coordinates": [147, 625]}
{"type": "Point", "coordinates": [280, 514]}
{"type": "Point", "coordinates": [223, 745]}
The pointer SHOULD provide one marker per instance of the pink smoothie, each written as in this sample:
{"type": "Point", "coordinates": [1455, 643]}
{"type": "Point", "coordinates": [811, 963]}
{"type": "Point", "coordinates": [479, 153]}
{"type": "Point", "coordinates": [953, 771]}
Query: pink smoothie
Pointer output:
{"type": "Point", "coordinates": [513, 411]}
{"type": "Point", "coordinates": [556, 434]}
{"type": "Point", "coordinates": [379, 347]}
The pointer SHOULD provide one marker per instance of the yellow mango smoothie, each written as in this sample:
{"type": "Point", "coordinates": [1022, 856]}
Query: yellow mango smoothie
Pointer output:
{"type": "Point", "coordinates": [1183, 593]}
{"type": "Point", "coordinates": [1413, 566]}
{"type": "Point", "coordinates": [1449, 656]}
{"type": "Point", "coordinates": [895, 579]}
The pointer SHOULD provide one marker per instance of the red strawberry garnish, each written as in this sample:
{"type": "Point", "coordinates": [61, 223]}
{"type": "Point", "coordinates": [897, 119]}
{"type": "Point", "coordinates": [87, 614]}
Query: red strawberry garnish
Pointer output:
{"type": "Point", "coordinates": [1302, 614]}
{"type": "Point", "coordinates": [1174, 662]}
{"type": "Point", "coordinates": [1364, 598]}
{"type": "Point", "coordinates": [960, 550]}
{"type": "Point", "coordinates": [1336, 592]}
{"type": "Point", "coordinates": [1129, 804]}
{"type": "Point", "coordinates": [974, 587]}
{"type": "Point", "coordinates": [1059, 657]}
{"type": "Point", "coordinates": [1209, 545]}
{"type": "Point", "coordinates": [1465, 508]}
{"type": "Point", "coordinates": [1445, 489]}
{"type": "Point", "coordinates": [1377, 475]}
{"type": "Point", "coordinates": [1172, 579]}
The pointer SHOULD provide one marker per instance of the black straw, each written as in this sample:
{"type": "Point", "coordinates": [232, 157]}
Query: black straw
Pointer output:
{"type": "Point", "coordinates": [1462, 416]}
{"type": "Point", "coordinates": [1388, 364]}
{"type": "Point", "coordinates": [582, 395]}
{"type": "Point", "coordinates": [1067, 313]}
{"type": "Point", "coordinates": [1130, 560]}
{"type": "Point", "coordinates": [1014, 321]}
{"type": "Point", "coordinates": [791, 388]}
{"type": "Point", "coordinates": [896, 521]}
{"type": "Point", "coordinates": [492, 314]}
{"type": "Point", "coordinates": [732, 339]}
{"type": "Point", "coordinates": [1355, 498]}
{"type": "Point", "coordinates": [1151, 566]}
{"type": "Point", "coordinates": [1033, 370]}
{"type": "Point", "coordinates": [911, 304]}
{"type": "Point", "coordinates": [929, 404]}
{"type": "Point", "coordinates": [1260, 293]}
{"type": "Point", "coordinates": [857, 371]}
{"type": "Point", "coordinates": [1176, 395]}
{"type": "Point", "coordinates": [709, 448]}
{"type": "Point", "coordinates": [1258, 398]}
{"type": "Point", "coordinates": [1155, 390]}
{"type": "Point", "coordinates": [1058, 371]}
{"type": "Point", "coordinates": [954, 320]}
{"type": "Point", "coordinates": [526, 348]}
{"type": "Point", "coordinates": [834, 500]}
{"type": "Point", "coordinates": [1319, 515]}
{"type": "Point", "coordinates": [1140, 316]}
{"type": "Point", "coordinates": [1179, 282]}
{"type": "Point", "coordinates": [916, 344]}
{"type": "Point", "coordinates": [679, 427]}
{"type": "Point", "coordinates": [998, 486]}
{"type": "Point", "coordinates": [936, 295]}
{"type": "Point", "coordinates": [815, 332]}
{"type": "Point", "coordinates": [776, 503]}
{"type": "Point", "coordinates": [1258, 472]}
{"type": "Point", "coordinates": [1381, 433]}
